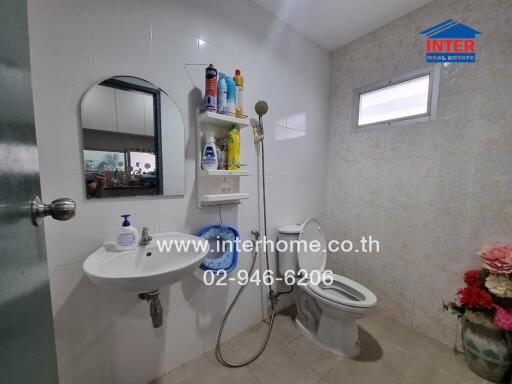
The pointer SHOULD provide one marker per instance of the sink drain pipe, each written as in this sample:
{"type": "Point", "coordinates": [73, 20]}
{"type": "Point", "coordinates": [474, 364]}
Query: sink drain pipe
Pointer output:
{"type": "Point", "coordinates": [156, 310]}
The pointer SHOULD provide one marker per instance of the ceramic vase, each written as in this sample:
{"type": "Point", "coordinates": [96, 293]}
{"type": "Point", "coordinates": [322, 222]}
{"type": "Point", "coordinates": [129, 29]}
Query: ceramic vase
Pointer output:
{"type": "Point", "coordinates": [486, 349]}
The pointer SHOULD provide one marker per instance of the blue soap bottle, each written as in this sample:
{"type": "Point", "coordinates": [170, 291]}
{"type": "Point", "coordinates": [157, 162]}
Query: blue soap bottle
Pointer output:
{"type": "Point", "coordinates": [128, 236]}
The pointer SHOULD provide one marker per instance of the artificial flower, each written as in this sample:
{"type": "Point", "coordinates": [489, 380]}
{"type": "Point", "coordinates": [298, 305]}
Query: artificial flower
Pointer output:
{"type": "Point", "coordinates": [499, 285]}
{"type": "Point", "coordinates": [503, 319]}
{"type": "Point", "coordinates": [473, 278]}
{"type": "Point", "coordinates": [475, 298]}
{"type": "Point", "coordinates": [497, 258]}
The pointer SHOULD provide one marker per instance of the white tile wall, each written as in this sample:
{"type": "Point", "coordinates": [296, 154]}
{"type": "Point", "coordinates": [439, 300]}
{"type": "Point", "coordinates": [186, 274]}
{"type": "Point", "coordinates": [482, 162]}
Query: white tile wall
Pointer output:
{"type": "Point", "coordinates": [432, 193]}
{"type": "Point", "coordinates": [107, 337]}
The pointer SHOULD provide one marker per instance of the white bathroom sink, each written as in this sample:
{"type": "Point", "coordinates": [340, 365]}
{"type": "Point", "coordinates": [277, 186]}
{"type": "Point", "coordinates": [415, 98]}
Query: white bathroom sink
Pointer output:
{"type": "Point", "coordinates": [146, 268]}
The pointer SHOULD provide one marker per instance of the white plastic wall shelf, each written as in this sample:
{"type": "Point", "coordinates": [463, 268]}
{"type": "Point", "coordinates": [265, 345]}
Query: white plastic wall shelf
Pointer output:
{"type": "Point", "coordinates": [220, 120]}
{"type": "Point", "coordinates": [209, 181]}
{"type": "Point", "coordinates": [223, 172]}
{"type": "Point", "coordinates": [212, 198]}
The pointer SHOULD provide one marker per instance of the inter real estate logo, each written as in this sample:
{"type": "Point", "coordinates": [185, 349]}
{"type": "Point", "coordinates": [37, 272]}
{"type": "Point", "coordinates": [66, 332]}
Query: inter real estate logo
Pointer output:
{"type": "Point", "coordinates": [450, 42]}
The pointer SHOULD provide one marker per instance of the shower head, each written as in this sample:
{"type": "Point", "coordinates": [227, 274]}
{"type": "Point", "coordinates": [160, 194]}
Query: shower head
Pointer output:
{"type": "Point", "coordinates": [261, 108]}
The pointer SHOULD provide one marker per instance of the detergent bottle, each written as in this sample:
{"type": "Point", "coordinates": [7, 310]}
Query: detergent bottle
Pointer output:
{"type": "Point", "coordinates": [234, 149]}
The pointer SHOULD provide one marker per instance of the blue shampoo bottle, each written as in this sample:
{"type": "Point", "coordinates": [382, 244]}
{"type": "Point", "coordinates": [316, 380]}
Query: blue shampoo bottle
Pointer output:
{"type": "Point", "coordinates": [231, 96]}
{"type": "Point", "coordinates": [222, 92]}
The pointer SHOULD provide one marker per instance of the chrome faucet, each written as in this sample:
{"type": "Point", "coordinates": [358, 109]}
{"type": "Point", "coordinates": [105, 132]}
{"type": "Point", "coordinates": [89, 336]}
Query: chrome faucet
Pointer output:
{"type": "Point", "coordinates": [145, 239]}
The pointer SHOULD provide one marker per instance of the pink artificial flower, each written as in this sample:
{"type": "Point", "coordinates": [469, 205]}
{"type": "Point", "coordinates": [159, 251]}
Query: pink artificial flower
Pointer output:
{"type": "Point", "coordinates": [497, 258]}
{"type": "Point", "coordinates": [503, 319]}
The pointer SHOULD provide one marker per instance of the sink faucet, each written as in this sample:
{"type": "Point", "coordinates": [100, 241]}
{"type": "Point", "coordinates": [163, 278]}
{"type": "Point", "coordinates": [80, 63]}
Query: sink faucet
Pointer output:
{"type": "Point", "coordinates": [145, 239]}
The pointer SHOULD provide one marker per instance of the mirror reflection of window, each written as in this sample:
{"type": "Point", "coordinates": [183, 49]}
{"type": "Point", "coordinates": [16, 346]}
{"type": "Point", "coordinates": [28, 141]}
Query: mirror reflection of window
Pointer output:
{"type": "Point", "coordinates": [142, 162]}
{"type": "Point", "coordinates": [100, 161]}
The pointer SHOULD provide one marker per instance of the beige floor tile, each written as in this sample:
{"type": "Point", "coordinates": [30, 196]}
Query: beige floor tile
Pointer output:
{"type": "Point", "coordinates": [423, 373]}
{"type": "Point", "coordinates": [370, 347]}
{"type": "Point", "coordinates": [441, 356]}
{"type": "Point", "coordinates": [245, 345]}
{"type": "Point", "coordinates": [284, 368]}
{"type": "Point", "coordinates": [391, 353]}
{"type": "Point", "coordinates": [347, 372]}
{"type": "Point", "coordinates": [390, 368]}
{"type": "Point", "coordinates": [397, 334]}
{"type": "Point", "coordinates": [285, 329]}
{"type": "Point", "coordinates": [176, 376]}
{"type": "Point", "coordinates": [318, 359]}
{"type": "Point", "coordinates": [205, 369]}
{"type": "Point", "coordinates": [247, 379]}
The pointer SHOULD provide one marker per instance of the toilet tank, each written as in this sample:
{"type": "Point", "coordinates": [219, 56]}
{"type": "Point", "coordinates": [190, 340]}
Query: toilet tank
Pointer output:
{"type": "Point", "coordinates": [287, 259]}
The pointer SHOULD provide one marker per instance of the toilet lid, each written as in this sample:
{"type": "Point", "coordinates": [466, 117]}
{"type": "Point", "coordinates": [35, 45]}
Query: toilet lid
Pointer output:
{"type": "Point", "coordinates": [290, 229]}
{"type": "Point", "coordinates": [312, 257]}
{"type": "Point", "coordinates": [345, 291]}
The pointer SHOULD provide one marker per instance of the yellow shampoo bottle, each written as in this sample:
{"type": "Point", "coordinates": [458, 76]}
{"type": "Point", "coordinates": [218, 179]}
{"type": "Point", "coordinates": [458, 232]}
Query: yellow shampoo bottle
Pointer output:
{"type": "Point", "coordinates": [234, 149]}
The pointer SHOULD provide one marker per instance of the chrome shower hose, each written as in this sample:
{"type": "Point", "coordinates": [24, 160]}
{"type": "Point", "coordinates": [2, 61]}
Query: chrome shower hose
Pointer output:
{"type": "Point", "coordinates": [218, 349]}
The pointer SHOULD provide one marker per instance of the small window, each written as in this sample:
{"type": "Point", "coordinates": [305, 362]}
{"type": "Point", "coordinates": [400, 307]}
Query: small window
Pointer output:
{"type": "Point", "coordinates": [406, 99]}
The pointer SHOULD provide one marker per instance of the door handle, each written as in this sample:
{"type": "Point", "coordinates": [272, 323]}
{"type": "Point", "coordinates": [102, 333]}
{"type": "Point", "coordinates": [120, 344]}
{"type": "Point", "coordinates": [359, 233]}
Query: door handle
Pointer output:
{"type": "Point", "coordinates": [61, 209]}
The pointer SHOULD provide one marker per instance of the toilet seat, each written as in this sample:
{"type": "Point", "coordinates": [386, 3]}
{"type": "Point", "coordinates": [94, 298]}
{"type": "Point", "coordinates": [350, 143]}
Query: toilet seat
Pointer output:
{"type": "Point", "coordinates": [342, 291]}
{"type": "Point", "coordinates": [345, 292]}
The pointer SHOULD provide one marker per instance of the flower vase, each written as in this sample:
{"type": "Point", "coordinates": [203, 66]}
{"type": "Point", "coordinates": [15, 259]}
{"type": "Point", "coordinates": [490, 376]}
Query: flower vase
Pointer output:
{"type": "Point", "coordinates": [508, 337]}
{"type": "Point", "coordinates": [486, 349]}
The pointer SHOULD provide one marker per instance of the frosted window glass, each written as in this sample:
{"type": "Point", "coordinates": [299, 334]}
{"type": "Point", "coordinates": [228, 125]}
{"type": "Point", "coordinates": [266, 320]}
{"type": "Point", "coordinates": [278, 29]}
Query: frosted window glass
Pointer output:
{"type": "Point", "coordinates": [99, 161]}
{"type": "Point", "coordinates": [143, 162]}
{"type": "Point", "coordinates": [408, 98]}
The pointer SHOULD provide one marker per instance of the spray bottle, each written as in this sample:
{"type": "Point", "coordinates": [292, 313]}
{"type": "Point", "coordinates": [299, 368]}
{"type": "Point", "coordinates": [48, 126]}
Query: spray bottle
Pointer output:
{"type": "Point", "coordinates": [210, 89]}
{"type": "Point", "coordinates": [222, 93]}
{"type": "Point", "coordinates": [231, 96]}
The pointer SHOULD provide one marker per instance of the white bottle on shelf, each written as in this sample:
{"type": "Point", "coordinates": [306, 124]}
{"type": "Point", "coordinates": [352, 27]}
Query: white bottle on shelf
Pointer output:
{"type": "Point", "coordinates": [210, 160]}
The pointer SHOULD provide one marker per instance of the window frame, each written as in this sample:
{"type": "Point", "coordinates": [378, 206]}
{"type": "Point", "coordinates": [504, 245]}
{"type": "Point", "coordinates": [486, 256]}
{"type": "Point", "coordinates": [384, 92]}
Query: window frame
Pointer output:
{"type": "Point", "coordinates": [434, 72]}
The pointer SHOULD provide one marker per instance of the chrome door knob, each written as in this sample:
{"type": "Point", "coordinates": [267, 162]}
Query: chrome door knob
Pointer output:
{"type": "Point", "coordinates": [61, 209]}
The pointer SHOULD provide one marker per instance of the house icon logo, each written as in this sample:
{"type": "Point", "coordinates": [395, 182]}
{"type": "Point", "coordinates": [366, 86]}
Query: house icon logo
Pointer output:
{"type": "Point", "coordinates": [450, 42]}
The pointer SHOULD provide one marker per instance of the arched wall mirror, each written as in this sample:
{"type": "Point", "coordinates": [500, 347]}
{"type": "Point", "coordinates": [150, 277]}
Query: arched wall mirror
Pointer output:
{"type": "Point", "coordinates": [133, 140]}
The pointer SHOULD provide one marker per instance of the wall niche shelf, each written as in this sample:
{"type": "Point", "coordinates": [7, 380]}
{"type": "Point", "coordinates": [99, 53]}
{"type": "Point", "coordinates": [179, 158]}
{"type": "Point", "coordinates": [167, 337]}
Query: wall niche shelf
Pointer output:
{"type": "Point", "coordinates": [223, 121]}
{"type": "Point", "coordinates": [223, 198]}
{"type": "Point", "coordinates": [210, 182]}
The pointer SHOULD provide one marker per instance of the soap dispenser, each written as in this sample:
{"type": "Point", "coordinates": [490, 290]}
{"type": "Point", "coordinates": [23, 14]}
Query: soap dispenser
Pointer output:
{"type": "Point", "coordinates": [128, 236]}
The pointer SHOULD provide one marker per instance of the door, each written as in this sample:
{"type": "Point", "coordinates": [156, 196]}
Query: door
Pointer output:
{"type": "Point", "coordinates": [27, 347]}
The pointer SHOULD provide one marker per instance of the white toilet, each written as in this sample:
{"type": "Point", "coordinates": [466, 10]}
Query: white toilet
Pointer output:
{"type": "Point", "coordinates": [326, 313]}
